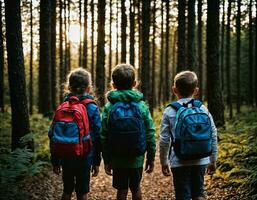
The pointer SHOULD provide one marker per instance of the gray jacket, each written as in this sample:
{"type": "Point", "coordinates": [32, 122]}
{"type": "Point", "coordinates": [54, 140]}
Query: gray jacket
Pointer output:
{"type": "Point", "coordinates": [167, 128]}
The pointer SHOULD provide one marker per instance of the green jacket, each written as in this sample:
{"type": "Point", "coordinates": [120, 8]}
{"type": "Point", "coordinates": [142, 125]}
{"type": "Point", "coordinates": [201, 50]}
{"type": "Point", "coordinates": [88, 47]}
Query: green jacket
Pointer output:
{"type": "Point", "coordinates": [124, 162]}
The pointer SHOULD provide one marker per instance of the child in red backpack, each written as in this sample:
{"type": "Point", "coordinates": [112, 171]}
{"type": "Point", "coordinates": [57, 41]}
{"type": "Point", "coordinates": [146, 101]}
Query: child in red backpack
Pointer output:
{"type": "Point", "coordinates": [76, 169]}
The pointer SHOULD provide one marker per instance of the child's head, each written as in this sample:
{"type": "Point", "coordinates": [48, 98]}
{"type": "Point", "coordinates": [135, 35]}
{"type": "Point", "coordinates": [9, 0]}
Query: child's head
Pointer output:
{"type": "Point", "coordinates": [79, 81]}
{"type": "Point", "coordinates": [185, 84]}
{"type": "Point", "coordinates": [123, 77]}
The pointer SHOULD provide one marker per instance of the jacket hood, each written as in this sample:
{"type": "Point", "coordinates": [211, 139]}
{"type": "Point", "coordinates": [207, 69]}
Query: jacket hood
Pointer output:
{"type": "Point", "coordinates": [125, 96]}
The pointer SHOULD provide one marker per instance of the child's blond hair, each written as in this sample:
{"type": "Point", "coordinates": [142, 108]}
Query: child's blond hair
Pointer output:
{"type": "Point", "coordinates": [186, 82]}
{"type": "Point", "coordinates": [78, 80]}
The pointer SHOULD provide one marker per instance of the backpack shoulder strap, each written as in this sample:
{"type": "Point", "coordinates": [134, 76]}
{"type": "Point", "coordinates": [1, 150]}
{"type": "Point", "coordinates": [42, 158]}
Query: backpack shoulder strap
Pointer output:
{"type": "Point", "coordinates": [175, 105]}
{"type": "Point", "coordinates": [197, 103]}
{"type": "Point", "coordinates": [88, 101]}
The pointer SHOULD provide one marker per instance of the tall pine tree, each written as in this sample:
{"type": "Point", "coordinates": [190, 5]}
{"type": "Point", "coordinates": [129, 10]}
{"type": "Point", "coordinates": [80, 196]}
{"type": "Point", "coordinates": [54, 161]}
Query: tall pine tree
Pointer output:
{"type": "Point", "coordinates": [214, 94]}
{"type": "Point", "coordinates": [16, 72]}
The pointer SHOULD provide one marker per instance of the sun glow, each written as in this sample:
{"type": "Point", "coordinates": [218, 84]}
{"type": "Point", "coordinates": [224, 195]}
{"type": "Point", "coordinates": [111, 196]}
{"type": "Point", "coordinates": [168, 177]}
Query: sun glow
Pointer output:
{"type": "Point", "coordinates": [74, 33]}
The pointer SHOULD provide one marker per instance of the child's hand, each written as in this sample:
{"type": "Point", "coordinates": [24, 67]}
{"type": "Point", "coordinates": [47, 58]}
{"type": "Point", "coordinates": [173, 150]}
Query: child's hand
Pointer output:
{"type": "Point", "coordinates": [166, 170]}
{"type": "Point", "coordinates": [108, 169]}
{"type": "Point", "coordinates": [57, 170]}
{"type": "Point", "coordinates": [95, 170]}
{"type": "Point", "coordinates": [149, 166]}
{"type": "Point", "coordinates": [211, 168]}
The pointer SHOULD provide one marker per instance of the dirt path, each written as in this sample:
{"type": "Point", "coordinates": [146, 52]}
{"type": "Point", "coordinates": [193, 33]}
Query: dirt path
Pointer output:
{"type": "Point", "coordinates": [154, 187]}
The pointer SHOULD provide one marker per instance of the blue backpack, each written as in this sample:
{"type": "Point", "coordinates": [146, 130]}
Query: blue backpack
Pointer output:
{"type": "Point", "coordinates": [126, 130]}
{"type": "Point", "coordinates": [193, 132]}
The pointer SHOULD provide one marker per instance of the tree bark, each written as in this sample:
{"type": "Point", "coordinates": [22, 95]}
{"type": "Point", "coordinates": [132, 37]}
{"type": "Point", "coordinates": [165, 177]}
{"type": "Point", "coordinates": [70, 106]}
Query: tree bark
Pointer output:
{"type": "Point", "coordinates": [132, 33]}
{"type": "Point", "coordinates": [31, 60]}
{"type": "Point", "coordinates": [123, 32]}
{"type": "Point", "coordinates": [238, 54]}
{"type": "Point", "coordinates": [85, 37]}
{"type": "Point", "coordinates": [167, 56]}
{"type": "Point", "coordinates": [152, 99]}
{"type": "Point", "coordinates": [61, 66]}
{"type": "Point", "coordinates": [45, 92]}
{"type": "Point", "coordinates": [93, 42]}
{"type": "Point", "coordinates": [117, 33]}
{"type": "Point", "coordinates": [16, 73]}
{"type": "Point", "coordinates": [145, 64]}
{"type": "Point", "coordinates": [191, 36]}
{"type": "Point", "coordinates": [228, 66]}
{"type": "Point", "coordinates": [181, 35]}
{"type": "Point", "coordinates": [110, 45]}
{"type": "Point", "coordinates": [222, 46]}
{"type": "Point", "coordinates": [53, 52]}
{"type": "Point", "coordinates": [250, 55]}
{"type": "Point", "coordinates": [256, 55]}
{"type": "Point", "coordinates": [68, 43]}
{"type": "Point", "coordinates": [100, 70]}
{"type": "Point", "coordinates": [80, 33]}
{"type": "Point", "coordinates": [160, 93]}
{"type": "Point", "coordinates": [200, 48]}
{"type": "Point", "coordinates": [214, 94]}
{"type": "Point", "coordinates": [1, 61]}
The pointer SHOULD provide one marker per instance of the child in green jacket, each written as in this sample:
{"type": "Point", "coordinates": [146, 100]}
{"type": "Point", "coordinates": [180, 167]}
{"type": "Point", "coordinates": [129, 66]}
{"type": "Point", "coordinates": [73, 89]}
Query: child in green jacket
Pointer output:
{"type": "Point", "coordinates": [127, 133]}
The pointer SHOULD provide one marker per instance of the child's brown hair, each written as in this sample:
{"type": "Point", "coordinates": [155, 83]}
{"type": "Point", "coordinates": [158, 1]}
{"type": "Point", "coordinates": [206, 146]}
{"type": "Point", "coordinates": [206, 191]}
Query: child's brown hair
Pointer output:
{"type": "Point", "coordinates": [186, 82]}
{"type": "Point", "coordinates": [123, 76]}
{"type": "Point", "coordinates": [78, 80]}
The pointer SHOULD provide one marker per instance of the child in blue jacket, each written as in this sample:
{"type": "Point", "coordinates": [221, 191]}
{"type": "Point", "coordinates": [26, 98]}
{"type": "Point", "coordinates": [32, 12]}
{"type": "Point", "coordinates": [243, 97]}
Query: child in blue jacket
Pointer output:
{"type": "Point", "coordinates": [188, 175]}
{"type": "Point", "coordinates": [76, 173]}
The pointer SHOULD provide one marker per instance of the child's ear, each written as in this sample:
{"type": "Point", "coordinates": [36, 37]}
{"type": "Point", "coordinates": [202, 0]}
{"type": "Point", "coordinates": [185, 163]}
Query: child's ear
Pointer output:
{"type": "Point", "coordinates": [174, 90]}
{"type": "Point", "coordinates": [113, 86]}
{"type": "Point", "coordinates": [88, 89]}
{"type": "Point", "coordinates": [135, 84]}
{"type": "Point", "coordinates": [196, 91]}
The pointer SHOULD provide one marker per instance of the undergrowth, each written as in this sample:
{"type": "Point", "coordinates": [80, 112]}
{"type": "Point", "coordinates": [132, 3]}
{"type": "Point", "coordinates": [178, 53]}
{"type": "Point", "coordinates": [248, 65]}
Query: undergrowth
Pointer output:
{"type": "Point", "coordinates": [238, 153]}
{"type": "Point", "coordinates": [21, 163]}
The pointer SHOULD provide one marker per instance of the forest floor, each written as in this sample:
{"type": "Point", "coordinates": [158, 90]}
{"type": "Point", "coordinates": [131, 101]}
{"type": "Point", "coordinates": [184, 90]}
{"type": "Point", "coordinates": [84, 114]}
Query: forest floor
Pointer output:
{"type": "Point", "coordinates": [155, 186]}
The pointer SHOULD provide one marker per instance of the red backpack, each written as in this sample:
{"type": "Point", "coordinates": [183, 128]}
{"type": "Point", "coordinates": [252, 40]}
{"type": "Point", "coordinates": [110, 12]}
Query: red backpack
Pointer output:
{"type": "Point", "coordinates": [69, 132]}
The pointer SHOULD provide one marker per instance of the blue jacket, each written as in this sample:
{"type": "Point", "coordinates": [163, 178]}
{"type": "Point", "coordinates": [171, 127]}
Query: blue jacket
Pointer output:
{"type": "Point", "coordinates": [94, 157]}
{"type": "Point", "coordinates": [167, 128]}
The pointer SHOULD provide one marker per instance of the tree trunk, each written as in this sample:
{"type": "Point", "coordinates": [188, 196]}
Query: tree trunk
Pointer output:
{"type": "Point", "coordinates": [61, 67]}
{"type": "Point", "coordinates": [85, 37]}
{"type": "Point", "coordinates": [53, 52]}
{"type": "Point", "coordinates": [1, 61]}
{"type": "Point", "coordinates": [200, 48]}
{"type": "Point", "coordinates": [45, 94]}
{"type": "Point", "coordinates": [93, 42]}
{"type": "Point", "coordinates": [68, 50]}
{"type": "Point", "coordinates": [110, 40]}
{"type": "Point", "coordinates": [100, 70]}
{"type": "Point", "coordinates": [181, 35]}
{"type": "Point", "coordinates": [65, 39]}
{"type": "Point", "coordinates": [250, 55]}
{"type": "Point", "coordinates": [132, 33]}
{"type": "Point", "coordinates": [80, 33]}
{"type": "Point", "coordinates": [117, 33]}
{"type": "Point", "coordinates": [160, 93]}
{"type": "Point", "coordinates": [20, 117]}
{"type": "Point", "coordinates": [256, 55]}
{"type": "Point", "coordinates": [167, 56]}
{"type": "Point", "coordinates": [123, 32]}
{"type": "Point", "coordinates": [31, 61]}
{"type": "Point", "coordinates": [174, 56]}
{"type": "Point", "coordinates": [228, 66]}
{"type": "Point", "coordinates": [139, 36]}
{"type": "Point", "coordinates": [214, 94]}
{"type": "Point", "coordinates": [191, 36]}
{"type": "Point", "coordinates": [222, 46]}
{"type": "Point", "coordinates": [238, 53]}
{"type": "Point", "coordinates": [145, 64]}
{"type": "Point", "coordinates": [152, 98]}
